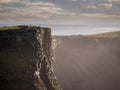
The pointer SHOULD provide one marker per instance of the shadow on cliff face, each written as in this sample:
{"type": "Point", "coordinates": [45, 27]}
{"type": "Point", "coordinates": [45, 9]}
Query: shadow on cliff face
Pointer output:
{"type": "Point", "coordinates": [88, 63]}
{"type": "Point", "coordinates": [26, 59]}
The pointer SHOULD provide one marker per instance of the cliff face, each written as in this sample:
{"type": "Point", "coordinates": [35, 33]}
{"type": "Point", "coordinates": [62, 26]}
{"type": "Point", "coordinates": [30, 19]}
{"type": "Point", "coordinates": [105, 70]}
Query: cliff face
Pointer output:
{"type": "Point", "coordinates": [26, 59]}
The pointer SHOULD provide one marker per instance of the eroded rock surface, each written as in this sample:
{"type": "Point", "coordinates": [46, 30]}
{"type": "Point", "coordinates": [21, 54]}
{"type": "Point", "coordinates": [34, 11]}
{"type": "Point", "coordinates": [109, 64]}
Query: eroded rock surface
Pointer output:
{"type": "Point", "coordinates": [26, 59]}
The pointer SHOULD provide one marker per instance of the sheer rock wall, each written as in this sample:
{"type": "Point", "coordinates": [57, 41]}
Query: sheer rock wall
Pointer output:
{"type": "Point", "coordinates": [26, 59]}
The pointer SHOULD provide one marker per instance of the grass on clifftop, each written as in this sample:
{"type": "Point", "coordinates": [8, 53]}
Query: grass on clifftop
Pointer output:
{"type": "Point", "coordinates": [9, 28]}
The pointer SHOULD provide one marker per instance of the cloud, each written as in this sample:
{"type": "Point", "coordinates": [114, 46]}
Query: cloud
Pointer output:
{"type": "Point", "coordinates": [91, 7]}
{"type": "Point", "coordinates": [102, 16]}
{"type": "Point", "coordinates": [35, 11]}
{"type": "Point", "coordinates": [44, 9]}
{"type": "Point", "coordinates": [105, 5]}
{"type": "Point", "coordinates": [1, 9]}
{"type": "Point", "coordinates": [99, 5]}
{"type": "Point", "coordinates": [8, 1]}
{"type": "Point", "coordinates": [74, 0]}
{"type": "Point", "coordinates": [115, 0]}
{"type": "Point", "coordinates": [59, 10]}
{"type": "Point", "coordinates": [39, 4]}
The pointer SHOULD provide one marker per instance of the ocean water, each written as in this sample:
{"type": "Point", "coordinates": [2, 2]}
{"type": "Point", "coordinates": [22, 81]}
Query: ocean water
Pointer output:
{"type": "Point", "coordinates": [74, 29]}
{"type": "Point", "coordinates": [80, 30]}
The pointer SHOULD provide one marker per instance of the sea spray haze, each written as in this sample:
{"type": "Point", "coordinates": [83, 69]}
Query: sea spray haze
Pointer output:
{"type": "Point", "coordinates": [88, 62]}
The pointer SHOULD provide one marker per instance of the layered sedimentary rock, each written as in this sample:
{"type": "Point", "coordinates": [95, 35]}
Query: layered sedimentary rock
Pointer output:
{"type": "Point", "coordinates": [26, 59]}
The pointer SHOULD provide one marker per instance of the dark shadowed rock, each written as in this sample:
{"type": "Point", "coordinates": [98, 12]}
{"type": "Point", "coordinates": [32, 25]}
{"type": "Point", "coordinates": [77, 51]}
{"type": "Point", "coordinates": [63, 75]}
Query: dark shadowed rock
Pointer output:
{"type": "Point", "coordinates": [26, 59]}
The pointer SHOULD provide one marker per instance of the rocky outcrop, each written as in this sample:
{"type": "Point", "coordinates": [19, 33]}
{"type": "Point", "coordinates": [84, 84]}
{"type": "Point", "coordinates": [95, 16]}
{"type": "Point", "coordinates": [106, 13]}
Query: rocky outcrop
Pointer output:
{"type": "Point", "coordinates": [26, 59]}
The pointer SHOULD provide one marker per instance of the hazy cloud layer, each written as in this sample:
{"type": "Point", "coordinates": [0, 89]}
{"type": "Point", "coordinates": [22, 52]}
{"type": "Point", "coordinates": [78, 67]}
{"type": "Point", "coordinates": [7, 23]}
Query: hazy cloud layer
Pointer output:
{"type": "Point", "coordinates": [60, 11]}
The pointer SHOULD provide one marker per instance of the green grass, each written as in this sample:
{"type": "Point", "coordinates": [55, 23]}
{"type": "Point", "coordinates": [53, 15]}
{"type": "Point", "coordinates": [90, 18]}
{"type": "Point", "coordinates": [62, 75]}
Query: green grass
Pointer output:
{"type": "Point", "coordinates": [109, 34]}
{"type": "Point", "coordinates": [9, 28]}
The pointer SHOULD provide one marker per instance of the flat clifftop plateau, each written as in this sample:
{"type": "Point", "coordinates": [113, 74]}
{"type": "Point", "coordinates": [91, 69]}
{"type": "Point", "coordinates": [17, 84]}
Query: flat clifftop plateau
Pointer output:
{"type": "Point", "coordinates": [26, 59]}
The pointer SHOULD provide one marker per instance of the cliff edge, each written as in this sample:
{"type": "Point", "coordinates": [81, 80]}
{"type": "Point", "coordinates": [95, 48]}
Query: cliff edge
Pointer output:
{"type": "Point", "coordinates": [26, 59]}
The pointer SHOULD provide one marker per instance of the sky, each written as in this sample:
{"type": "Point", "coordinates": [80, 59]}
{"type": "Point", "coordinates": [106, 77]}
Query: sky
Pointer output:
{"type": "Point", "coordinates": [66, 12]}
{"type": "Point", "coordinates": [60, 11]}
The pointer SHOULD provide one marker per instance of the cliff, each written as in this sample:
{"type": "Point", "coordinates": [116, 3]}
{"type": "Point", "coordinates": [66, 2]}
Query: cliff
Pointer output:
{"type": "Point", "coordinates": [26, 59]}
